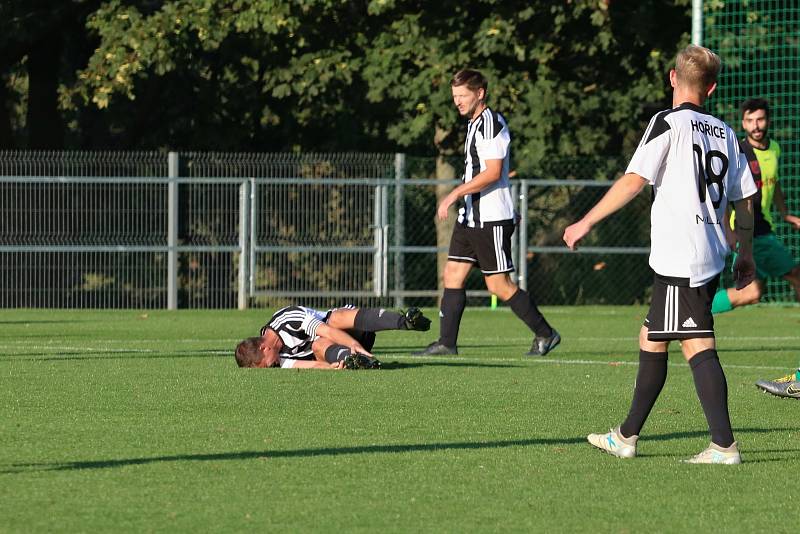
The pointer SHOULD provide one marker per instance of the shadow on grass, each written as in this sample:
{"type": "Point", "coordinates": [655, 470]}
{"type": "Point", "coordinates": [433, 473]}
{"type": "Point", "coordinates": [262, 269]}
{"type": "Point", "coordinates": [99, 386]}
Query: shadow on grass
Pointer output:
{"type": "Point", "coordinates": [296, 453]}
{"type": "Point", "coordinates": [44, 321]}
{"type": "Point", "coordinates": [101, 355]}
{"type": "Point", "coordinates": [124, 354]}
{"type": "Point", "coordinates": [367, 449]}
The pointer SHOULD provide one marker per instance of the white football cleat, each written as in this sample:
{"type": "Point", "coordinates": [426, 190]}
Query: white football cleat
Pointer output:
{"type": "Point", "coordinates": [715, 454]}
{"type": "Point", "coordinates": [614, 443]}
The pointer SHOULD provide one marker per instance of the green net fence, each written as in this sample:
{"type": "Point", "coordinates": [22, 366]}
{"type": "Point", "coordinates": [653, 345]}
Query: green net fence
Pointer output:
{"type": "Point", "coordinates": [759, 43]}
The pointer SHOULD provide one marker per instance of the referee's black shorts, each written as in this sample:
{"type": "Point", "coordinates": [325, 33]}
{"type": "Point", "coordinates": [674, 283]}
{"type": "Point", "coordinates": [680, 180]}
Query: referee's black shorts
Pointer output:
{"type": "Point", "coordinates": [489, 248]}
{"type": "Point", "coordinates": [678, 311]}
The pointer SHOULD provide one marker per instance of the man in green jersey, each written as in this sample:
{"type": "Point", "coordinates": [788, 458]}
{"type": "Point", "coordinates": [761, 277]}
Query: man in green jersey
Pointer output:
{"type": "Point", "coordinates": [771, 256]}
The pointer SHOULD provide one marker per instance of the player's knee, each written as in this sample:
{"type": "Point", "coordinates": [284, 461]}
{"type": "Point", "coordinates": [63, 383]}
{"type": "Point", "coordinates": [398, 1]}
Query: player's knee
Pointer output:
{"type": "Point", "coordinates": [454, 274]}
{"type": "Point", "coordinates": [501, 285]}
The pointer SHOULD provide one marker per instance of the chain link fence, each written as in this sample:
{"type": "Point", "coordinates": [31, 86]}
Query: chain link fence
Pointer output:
{"type": "Point", "coordinates": [758, 43]}
{"type": "Point", "coordinates": [200, 230]}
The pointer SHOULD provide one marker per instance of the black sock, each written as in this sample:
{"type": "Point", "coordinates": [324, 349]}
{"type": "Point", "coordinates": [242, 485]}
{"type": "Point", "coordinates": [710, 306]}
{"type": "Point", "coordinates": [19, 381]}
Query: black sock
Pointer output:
{"type": "Point", "coordinates": [712, 390]}
{"type": "Point", "coordinates": [453, 303]}
{"type": "Point", "coordinates": [336, 353]}
{"type": "Point", "coordinates": [523, 305]}
{"type": "Point", "coordinates": [377, 319]}
{"type": "Point", "coordinates": [649, 380]}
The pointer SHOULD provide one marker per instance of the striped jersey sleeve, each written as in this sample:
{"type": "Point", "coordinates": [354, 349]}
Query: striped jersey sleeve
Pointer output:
{"type": "Point", "coordinates": [297, 327]}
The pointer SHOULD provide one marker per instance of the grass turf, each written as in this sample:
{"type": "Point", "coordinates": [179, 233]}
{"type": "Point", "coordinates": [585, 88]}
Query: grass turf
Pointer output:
{"type": "Point", "coordinates": [141, 421]}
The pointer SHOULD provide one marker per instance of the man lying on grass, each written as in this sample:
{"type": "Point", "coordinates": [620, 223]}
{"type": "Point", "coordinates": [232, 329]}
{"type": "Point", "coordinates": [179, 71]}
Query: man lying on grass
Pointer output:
{"type": "Point", "coordinates": [299, 337]}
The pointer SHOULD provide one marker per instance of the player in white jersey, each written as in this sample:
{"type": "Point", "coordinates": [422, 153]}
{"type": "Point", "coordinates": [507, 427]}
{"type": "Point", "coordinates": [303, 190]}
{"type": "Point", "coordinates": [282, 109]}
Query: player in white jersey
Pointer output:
{"type": "Point", "coordinates": [482, 236]}
{"type": "Point", "coordinates": [694, 164]}
{"type": "Point", "coordinates": [300, 337]}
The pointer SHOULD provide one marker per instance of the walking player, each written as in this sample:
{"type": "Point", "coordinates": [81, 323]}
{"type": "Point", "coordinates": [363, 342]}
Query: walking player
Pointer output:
{"type": "Point", "coordinates": [695, 165]}
{"type": "Point", "coordinates": [482, 236]}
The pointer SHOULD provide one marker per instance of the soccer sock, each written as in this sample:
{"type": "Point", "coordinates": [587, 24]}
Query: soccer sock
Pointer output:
{"type": "Point", "coordinates": [377, 319]}
{"type": "Point", "coordinates": [649, 380]}
{"type": "Point", "coordinates": [797, 374]}
{"type": "Point", "coordinates": [523, 305]}
{"type": "Point", "coordinates": [712, 390]}
{"type": "Point", "coordinates": [453, 303]}
{"type": "Point", "coordinates": [336, 353]}
{"type": "Point", "coordinates": [722, 302]}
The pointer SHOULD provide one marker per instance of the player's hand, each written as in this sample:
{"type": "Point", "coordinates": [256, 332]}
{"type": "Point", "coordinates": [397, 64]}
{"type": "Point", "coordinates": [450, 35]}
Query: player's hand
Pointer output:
{"type": "Point", "coordinates": [357, 348]}
{"type": "Point", "coordinates": [744, 270]}
{"type": "Point", "coordinates": [575, 232]}
{"type": "Point", "coordinates": [794, 221]}
{"type": "Point", "coordinates": [338, 365]}
{"type": "Point", "coordinates": [444, 206]}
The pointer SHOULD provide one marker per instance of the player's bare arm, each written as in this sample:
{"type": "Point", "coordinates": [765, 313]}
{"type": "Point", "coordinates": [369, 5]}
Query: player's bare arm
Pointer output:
{"type": "Point", "coordinates": [744, 269]}
{"type": "Point", "coordinates": [492, 173]}
{"type": "Point", "coordinates": [341, 337]}
{"type": "Point", "coordinates": [625, 189]}
{"type": "Point", "coordinates": [780, 202]}
{"type": "Point", "coordinates": [316, 364]}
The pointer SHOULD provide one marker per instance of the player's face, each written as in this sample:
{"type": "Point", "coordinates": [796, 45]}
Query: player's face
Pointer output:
{"type": "Point", "coordinates": [756, 124]}
{"type": "Point", "coordinates": [269, 357]}
{"type": "Point", "coordinates": [270, 348]}
{"type": "Point", "coordinates": [466, 101]}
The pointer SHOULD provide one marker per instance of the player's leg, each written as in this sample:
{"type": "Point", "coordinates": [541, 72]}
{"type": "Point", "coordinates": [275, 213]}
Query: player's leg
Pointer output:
{"type": "Point", "coordinates": [793, 277]}
{"type": "Point", "coordinates": [650, 378]}
{"type": "Point", "coordinates": [493, 247]}
{"type": "Point", "coordinates": [454, 300]}
{"type": "Point", "coordinates": [730, 298]}
{"type": "Point", "coordinates": [524, 306]}
{"type": "Point", "coordinates": [377, 319]}
{"type": "Point", "coordinates": [461, 257]}
{"type": "Point", "coordinates": [326, 350]}
{"type": "Point", "coordinates": [699, 348]}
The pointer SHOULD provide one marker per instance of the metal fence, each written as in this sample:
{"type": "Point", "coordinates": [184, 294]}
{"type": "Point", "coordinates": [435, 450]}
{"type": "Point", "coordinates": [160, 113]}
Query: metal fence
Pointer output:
{"type": "Point", "coordinates": [204, 230]}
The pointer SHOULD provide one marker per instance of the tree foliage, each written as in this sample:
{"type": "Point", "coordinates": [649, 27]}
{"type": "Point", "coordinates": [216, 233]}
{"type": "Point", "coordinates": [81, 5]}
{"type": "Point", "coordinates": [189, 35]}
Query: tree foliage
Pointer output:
{"type": "Point", "coordinates": [574, 77]}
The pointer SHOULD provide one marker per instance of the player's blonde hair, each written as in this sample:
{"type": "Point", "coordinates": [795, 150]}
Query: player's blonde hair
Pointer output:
{"type": "Point", "coordinates": [697, 67]}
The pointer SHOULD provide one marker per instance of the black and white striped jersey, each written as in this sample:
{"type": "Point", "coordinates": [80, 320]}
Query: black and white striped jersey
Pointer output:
{"type": "Point", "coordinates": [297, 328]}
{"type": "Point", "coordinates": [488, 137]}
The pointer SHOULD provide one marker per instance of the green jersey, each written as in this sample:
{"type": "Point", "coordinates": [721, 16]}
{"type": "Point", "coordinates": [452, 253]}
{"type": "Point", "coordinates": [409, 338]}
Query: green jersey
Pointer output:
{"type": "Point", "coordinates": [768, 162]}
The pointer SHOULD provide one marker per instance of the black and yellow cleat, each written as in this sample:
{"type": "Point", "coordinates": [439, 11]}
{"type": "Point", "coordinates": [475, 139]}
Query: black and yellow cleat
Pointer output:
{"type": "Point", "coordinates": [357, 361]}
{"type": "Point", "coordinates": [414, 320]}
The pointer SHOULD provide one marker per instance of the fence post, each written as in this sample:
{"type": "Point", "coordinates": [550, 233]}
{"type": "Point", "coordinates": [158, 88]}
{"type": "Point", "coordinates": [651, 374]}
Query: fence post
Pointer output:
{"type": "Point", "coordinates": [522, 265]}
{"type": "Point", "coordinates": [252, 230]}
{"type": "Point", "coordinates": [514, 242]}
{"type": "Point", "coordinates": [172, 233]}
{"type": "Point", "coordinates": [244, 244]}
{"type": "Point", "coordinates": [399, 229]}
{"type": "Point", "coordinates": [377, 263]}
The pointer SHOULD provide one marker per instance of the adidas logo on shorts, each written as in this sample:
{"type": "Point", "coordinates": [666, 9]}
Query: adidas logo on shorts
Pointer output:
{"type": "Point", "coordinates": [689, 323]}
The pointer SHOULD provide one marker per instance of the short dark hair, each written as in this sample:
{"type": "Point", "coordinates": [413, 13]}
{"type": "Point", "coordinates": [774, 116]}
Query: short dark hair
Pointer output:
{"type": "Point", "coordinates": [754, 104]}
{"type": "Point", "coordinates": [247, 352]}
{"type": "Point", "coordinates": [473, 79]}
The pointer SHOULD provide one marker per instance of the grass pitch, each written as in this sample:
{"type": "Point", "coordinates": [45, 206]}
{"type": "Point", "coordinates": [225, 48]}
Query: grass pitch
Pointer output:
{"type": "Point", "coordinates": [141, 421]}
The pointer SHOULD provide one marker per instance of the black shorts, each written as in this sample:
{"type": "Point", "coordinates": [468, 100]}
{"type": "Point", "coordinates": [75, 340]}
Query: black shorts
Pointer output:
{"type": "Point", "coordinates": [678, 311]}
{"type": "Point", "coordinates": [489, 248]}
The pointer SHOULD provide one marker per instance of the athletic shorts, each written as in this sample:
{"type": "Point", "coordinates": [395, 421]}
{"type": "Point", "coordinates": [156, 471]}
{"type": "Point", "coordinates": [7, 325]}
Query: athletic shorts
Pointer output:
{"type": "Point", "coordinates": [489, 248]}
{"type": "Point", "coordinates": [771, 257]}
{"type": "Point", "coordinates": [678, 311]}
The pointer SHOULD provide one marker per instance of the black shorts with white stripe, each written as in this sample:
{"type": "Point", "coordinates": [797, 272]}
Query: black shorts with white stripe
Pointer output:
{"type": "Point", "coordinates": [678, 311]}
{"type": "Point", "coordinates": [488, 247]}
